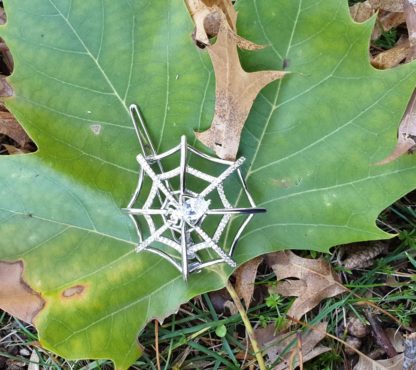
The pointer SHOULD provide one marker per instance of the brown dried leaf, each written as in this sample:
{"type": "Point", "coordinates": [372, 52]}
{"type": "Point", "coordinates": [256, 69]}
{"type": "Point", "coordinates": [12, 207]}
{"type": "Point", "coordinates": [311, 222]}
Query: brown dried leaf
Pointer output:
{"type": "Point", "coordinates": [245, 277]}
{"type": "Point", "coordinates": [265, 335]}
{"type": "Point", "coordinates": [366, 363]}
{"type": "Point", "coordinates": [16, 297]}
{"type": "Point", "coordinates": [396, 338]}
{"type": "Point", "coordinates": [360, 12]}
{"type": "Point", "coordinates": [386, 22]}
{"type": "Point", "coordinates": [281, 343]}
{"type": "Point", "coordinates": [207, 16]}
{"type": "Point", "coordinates": [316, 281]}
{"type": "Point", "coordinates": [13, 150]}
{"type": "Point", "coordinates": [3, 17]}
{"type": "Point", "coordinates": [236, 90]}
{"type": "Point", "coordinates": [388, 5]}
{"type": "Point", "coordinates": [5, 89]}
{"type": "Point", "coordinates": [10, 127]}
{"type": "Point", "coordinates": [410, 13]}
{"type": "Point", "coordinates": [392, 57]}
{"type": "Point", "coordinates": [227, 8]}
{"type": "Point", "coordinates": [406, 140]}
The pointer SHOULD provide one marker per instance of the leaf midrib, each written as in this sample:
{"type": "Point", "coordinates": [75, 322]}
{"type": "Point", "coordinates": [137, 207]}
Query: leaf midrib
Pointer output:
{"type": "Point", "coordinates": [260, 140]}
{"type": "Point", "coordinates": [69, 226]}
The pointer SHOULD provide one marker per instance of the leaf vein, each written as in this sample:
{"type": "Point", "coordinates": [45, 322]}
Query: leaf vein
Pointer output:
{"type": "Point", "coordinates": [88, 51]}
{"type": "Point", "coordinates": [325, 137]}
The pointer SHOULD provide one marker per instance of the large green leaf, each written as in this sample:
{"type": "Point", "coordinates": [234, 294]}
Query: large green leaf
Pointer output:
{"type": "Point", "coordinates": [310, 141]}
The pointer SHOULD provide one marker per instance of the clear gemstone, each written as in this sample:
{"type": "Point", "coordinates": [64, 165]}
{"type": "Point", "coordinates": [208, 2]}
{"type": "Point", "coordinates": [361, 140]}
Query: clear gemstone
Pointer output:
{"type": "Point", "coordinates": [194, 208]}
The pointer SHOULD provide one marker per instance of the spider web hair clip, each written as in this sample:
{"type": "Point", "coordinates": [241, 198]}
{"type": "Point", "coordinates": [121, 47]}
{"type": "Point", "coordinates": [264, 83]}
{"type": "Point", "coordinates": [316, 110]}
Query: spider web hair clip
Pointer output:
{"type": "Point", "coordinates": [176, 215]}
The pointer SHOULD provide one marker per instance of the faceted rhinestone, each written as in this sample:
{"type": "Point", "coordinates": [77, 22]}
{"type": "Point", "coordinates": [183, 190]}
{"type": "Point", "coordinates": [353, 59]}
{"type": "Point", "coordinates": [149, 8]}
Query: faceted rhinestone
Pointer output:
{"type": "Point", "coordinates": [193, 209]}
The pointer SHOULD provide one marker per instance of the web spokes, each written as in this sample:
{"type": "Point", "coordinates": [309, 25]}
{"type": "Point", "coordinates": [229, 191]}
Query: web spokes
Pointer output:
{"type": "Point", "coordinates": [175, 215]}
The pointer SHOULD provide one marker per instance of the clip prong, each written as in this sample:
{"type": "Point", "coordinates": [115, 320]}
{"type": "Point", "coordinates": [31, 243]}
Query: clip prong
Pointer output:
{"type": "Point", "coordinates": [146, 145]}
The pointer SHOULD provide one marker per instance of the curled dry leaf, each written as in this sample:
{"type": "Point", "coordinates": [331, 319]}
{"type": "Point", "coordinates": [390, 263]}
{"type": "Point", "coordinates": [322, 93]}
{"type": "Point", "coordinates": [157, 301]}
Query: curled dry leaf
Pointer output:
{"type": "Point", "coordinates": [366, 363]}
{"type": "Point", "coordinates": [207, 16]}
{"type": "Point", "coordinates": [227, 7]}
{"type": "Point", "coordinates": [315, 281]}
{"type": "Point", "coordinates": [13, 150]}
{"type": "Point", "coordinates": [3, 17]}
{"type": "Point", "coordinates": [10, 127]}
{"type": "Point", "coordinates": [360, 12]}
{"type": "Point", "coordinates": [406, 140]}
{"type": "Point", "coordinates": [235, 92]}
{"type": "Point", "coordinates": [385, 22]}
{"type": "Point", "coordinates": [388, 5]}
{"type": "Point", "coordinates": [245, 277]}
{"type": "Point", "coordinates": [392, 57]}
{"type": "Point", "coordinates": [5, 89]}
{"type": "Point", "coordinates": [410, 14]}
{"type": "Point", "coordinates": [16, 297]}
{"type": "Point", "coordinates": [199, 11]}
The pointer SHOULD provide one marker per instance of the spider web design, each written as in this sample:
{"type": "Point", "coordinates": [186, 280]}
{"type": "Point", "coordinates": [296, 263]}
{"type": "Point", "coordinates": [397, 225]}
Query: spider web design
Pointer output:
{"type": "Point", "coordinates": [179, 236]}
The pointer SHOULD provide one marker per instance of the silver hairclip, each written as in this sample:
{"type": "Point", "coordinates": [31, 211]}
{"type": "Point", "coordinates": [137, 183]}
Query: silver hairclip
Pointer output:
{"type": "Point", "coordinates": [175, 216]}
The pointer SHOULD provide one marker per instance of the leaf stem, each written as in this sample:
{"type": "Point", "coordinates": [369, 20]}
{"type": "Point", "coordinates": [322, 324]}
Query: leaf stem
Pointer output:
{"type": "Point", "coordinates": [157, 344]}
{"type": "Point", "coordinates": [248, 326]}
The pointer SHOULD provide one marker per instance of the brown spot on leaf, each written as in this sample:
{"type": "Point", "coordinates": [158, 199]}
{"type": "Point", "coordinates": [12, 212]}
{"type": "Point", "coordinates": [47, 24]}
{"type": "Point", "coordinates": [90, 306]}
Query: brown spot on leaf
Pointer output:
{"type": "Point", "coordinates": [74, 291]}
{"type": "Point", "coordinates": [284, 183]}
{"type": "Point", "coordinates": [16, 296]}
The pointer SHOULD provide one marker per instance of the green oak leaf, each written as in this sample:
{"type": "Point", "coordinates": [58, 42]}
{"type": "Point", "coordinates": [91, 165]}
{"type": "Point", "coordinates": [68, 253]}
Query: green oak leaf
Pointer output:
{"type": "Point", "coordinates": [311, 141]}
